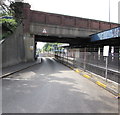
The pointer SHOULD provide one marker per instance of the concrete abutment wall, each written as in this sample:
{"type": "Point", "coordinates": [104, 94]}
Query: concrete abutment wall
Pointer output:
{"type": "Point", "coordinates": [13, 48]}
{"type": "Point", "coordinates": [29, 44]}
{"type": "Point", "coordinates": [17, 48]}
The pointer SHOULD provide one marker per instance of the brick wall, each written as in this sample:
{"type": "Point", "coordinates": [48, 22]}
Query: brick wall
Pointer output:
{"type": "Point", "coordinates": [62, 20]}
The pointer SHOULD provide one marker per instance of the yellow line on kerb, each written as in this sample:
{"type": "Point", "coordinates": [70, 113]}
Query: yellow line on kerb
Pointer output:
{"type": "Point", "coordinates": [100, 84]}
{"type": "Point", "coordinates": [87, 76]}
{"type": "Point", "coordinates": [119, 95]}
{"type": "Point", "coordinates": [77, 71]}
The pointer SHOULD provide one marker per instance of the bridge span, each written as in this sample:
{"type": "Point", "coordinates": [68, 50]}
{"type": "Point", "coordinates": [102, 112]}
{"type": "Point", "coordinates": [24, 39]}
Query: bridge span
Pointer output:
{"type": "Point", "coordinates": [49, 27]}
{"type": "Point", "coordinates": [40, 26]}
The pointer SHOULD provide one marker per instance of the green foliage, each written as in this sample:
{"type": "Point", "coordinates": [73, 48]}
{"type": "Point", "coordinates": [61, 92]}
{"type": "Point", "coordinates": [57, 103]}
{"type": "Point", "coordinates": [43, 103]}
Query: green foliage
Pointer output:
{"type": "Point", "coordinates": [8, 21]}
{"type": "Point", "coordinates": [8, 27]}
{"type": "Point", "coordinates": [5, 7]}
{"type": "Point", "coordinates": [49, 46]}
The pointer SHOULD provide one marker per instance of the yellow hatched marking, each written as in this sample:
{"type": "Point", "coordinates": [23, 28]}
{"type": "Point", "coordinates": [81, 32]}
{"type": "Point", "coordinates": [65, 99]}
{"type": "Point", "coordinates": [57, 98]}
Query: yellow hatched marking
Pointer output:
{"type": "Point", "coordinates": [100, 84]}
{"type": "Point", "coordinates": [119, 95]}
{"type": "Point", "coordinates": [77, 71]}
{"type": "Point", "coordinates": [87, 76]}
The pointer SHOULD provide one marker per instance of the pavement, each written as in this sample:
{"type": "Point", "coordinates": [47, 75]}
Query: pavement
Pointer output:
{"type": "Point", "coordinates": [108, 85]}
{"type": "Point", "coordinates": [19, 67]}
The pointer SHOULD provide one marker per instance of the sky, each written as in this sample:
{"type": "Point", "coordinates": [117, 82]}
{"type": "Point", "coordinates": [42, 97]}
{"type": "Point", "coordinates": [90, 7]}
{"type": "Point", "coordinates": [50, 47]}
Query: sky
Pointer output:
{"type": "Point", "coordinates": [92, 9]}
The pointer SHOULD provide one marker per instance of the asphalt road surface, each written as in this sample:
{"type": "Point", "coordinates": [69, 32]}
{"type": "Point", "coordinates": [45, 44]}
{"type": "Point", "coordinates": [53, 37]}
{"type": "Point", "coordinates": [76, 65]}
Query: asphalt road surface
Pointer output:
{"type": "Point", "coordinates": [51, 87]}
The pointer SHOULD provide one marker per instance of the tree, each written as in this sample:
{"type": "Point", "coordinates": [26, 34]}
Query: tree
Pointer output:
{"type": "Point", "coordinates": [49, 46]}
{"type": "Point", "coordinates": [17, 12]}
{"type": "Point", "coordinates": [5, 5]}
{"type": "Point", "coordinates": [10, 9]}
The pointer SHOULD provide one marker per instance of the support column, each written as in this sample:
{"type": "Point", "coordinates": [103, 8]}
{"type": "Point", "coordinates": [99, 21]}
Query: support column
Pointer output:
{"type": "Point", "coordinates": [29, 44]}
{"type": "Point", "coordinates": [29, 41]}
{"type": "Point", "coordinates": [35, 47]}
{"type": "Point", "coordinates": [84, 59]}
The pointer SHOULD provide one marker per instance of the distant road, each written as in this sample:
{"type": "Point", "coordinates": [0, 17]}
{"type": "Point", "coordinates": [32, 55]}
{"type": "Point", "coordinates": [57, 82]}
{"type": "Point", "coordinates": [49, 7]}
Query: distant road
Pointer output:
{"type": "Point", "coordinates": [51, 87]}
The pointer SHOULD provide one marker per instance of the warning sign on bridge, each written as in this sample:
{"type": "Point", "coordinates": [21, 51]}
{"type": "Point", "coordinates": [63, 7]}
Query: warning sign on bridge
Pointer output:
{"type": "Point", "coordinates": [44, 31]}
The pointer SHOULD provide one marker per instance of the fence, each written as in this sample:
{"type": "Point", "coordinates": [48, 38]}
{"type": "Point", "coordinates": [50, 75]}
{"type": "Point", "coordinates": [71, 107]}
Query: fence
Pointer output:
{"type": "Point", "coordinates": [92, 59]}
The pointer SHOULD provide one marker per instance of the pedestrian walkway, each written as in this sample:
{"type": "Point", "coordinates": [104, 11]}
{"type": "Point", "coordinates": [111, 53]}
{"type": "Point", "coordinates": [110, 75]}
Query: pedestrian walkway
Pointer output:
{"type": "Point", "coordinates": [16, 68]}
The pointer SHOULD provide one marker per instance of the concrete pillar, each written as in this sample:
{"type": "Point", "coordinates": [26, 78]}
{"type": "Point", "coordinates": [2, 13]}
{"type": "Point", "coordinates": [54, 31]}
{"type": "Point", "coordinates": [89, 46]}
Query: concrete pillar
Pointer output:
{"type": "Point", "coordinates": [29, 41]}
{"type": "Point", "coordinates": [29, 44]}
{"type": "Point", "coordinates": [35, 48]}
{"type": "Point", "coordinates": [84, 65]}
{"type": "Point", "coordinates": [26, 17]}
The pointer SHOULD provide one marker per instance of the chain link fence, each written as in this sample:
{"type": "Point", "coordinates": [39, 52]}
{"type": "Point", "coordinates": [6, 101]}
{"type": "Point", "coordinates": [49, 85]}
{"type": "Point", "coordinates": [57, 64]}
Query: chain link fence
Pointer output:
{"type": "Point", "coordinates": [92, 59]}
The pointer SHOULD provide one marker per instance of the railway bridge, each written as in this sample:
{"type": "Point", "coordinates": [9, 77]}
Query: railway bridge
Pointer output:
{"type": "Point", "coordinates": [40, 26]}
{"type": "Point", "coordinates": [49, 27]}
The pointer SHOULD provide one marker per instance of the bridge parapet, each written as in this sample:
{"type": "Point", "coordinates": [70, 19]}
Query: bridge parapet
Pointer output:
{"type": "Point", "coordinates": [62, 20]}
{"type": "Point", "coordinates": [32, 16]}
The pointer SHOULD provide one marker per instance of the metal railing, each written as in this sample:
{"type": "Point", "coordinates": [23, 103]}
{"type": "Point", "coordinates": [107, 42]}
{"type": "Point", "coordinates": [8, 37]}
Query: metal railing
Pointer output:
{"type": "Point", "coordinates": [91, 61]}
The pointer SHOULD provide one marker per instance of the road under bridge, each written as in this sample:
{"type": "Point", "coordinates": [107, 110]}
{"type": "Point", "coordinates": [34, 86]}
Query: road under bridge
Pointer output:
{"type": "Point", "coordinates": [51, 87]}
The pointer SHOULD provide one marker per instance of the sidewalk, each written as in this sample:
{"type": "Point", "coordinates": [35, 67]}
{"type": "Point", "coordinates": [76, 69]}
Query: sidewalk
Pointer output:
{"type": "Point", "coordinates": [16, 68]}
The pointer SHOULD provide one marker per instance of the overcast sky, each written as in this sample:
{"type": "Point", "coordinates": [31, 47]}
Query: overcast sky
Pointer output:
{"type": "Point", "coordinates": [92, 9]}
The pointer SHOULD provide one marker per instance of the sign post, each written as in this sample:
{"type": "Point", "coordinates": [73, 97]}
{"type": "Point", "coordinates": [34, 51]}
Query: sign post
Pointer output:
{"type": "Point", "coordinates": [84, 66]}
{"type": "Point", "coordinates": [106, 71]}
{"type": "Point", "coordinates": [106, 54]}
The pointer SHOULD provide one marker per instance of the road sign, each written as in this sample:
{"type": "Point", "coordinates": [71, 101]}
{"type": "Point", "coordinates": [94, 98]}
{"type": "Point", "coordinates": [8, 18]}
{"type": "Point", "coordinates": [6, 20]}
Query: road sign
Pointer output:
{"type": "Point", "coordinates": [44, 31]}
{"type": "Point", "coordinates": [31, 47]}
{"type": "Point", "coordinates": [106, 51]}
{"type": "Point", "coordinates": [106, 54]}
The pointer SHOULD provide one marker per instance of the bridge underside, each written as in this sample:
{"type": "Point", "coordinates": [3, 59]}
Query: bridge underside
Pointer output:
{"type": "Point", "coordinates": [76, 37]}
{"type": "Point", "coordinates": [111, 42]}
{"type": "Point", "coordinates": [101, 43]}
{"type": "Point", "coordinates": [61, 34]}
{"type": "Point", "coordinates": [78, 40]}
